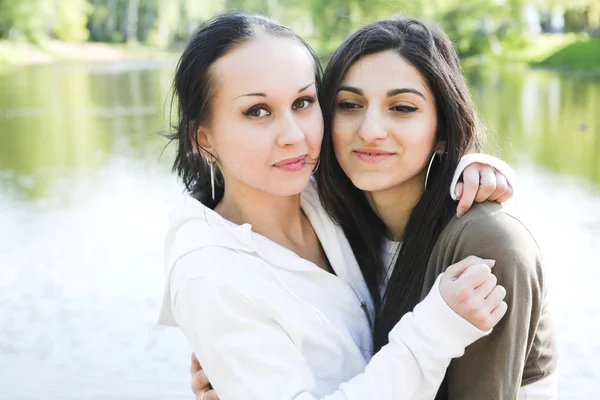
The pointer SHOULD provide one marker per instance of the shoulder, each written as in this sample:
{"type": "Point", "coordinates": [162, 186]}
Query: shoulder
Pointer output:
{"type": "Point", "coordinates": [489, 231]}
{"type": "Point", "coordinates": [222, 267]}
{"type": "Point", "coordinates": [491, 222]}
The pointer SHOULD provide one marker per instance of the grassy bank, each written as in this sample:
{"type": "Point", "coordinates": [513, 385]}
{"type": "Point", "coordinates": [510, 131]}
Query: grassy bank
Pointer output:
{"type": "Point", "coordinates": [565, 52]}
{"type": "Point", "coordinates": [15, 53]}
{"type": "Point", "coordinates": [582, 55]}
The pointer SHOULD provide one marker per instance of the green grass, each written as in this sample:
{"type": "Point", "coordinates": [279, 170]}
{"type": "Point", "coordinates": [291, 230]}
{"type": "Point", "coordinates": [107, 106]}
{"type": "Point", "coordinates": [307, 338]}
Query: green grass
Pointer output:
{"type": "Point", "coordinates": [555, 51]}
{"type": "Point", "coordinates": [582, 55]}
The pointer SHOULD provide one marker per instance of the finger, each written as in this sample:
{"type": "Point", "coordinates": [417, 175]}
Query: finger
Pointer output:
{"type": "Point", "coordinates": [487, 286]}
{"type": "Point", "coordinates": [498, 312]}
{"type": "Point", "coordinates": [506, 195]}
{"type": "Point", "coordinates": [458, 190]}
{"type": "Point", "coordinates": [200, 383]}
{"type": "Point", "coordinates": [470, 186]}
{"type": "Point", "coordinates": [474, 276]}
{"type": "Point", "coordinates": [456, 270]}
{"type": "Point", "coordinates": [211, 395]}
{"type": "Point", "coordinates": [487, 183]}
{"type": "Point", "coordinates": [195, 365]}
{"type": "Point", "coordinates": [501, 186]}
{"type": "Point", "coordinates": [495, 297]}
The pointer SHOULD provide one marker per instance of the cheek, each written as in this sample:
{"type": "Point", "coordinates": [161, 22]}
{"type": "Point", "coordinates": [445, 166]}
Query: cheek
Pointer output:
{"type": "Point", "coordinates": [249, 150]}
{"type": "Point", "coordinates": [419, 144]}
{"type": "Point", "coordinates": [342, 130]}
{"type": "Point", "coordinates": [312, 127]}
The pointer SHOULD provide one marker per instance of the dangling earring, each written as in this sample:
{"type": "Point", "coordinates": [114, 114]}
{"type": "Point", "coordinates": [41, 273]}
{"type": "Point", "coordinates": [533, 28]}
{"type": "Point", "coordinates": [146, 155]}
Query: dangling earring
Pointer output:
{"type": "Point", "coordinates": [316, 166]}
{"type": "Point", "coordinates": [211, 164]}
{"type": "Point", "coordinates": [435, 153]}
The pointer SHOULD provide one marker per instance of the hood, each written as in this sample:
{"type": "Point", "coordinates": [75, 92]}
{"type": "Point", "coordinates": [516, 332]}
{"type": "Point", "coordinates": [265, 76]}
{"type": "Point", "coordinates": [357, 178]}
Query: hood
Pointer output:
{"type": "Point", "coordinates": [193, 226]}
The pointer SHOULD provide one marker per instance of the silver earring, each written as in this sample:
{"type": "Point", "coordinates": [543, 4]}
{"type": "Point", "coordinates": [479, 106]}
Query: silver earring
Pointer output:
{"type": "Point", "coordinates": [429, 167]}
{"type": "Point", "coordinates": [211, 164]}
{"type": "Point", "coordinates": [316, 166]}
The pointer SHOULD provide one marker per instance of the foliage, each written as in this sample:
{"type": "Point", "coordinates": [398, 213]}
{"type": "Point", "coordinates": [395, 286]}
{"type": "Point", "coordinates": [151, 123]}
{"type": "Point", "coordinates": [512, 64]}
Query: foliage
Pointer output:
{"type": "Point", "coordinates": [476, 26]}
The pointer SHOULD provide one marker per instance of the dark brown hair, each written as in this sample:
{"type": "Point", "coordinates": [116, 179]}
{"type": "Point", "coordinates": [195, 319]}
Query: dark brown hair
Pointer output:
{"type": "Point", "coordinates": [430, 51]}
{"type": "Point", "coordinates": [193, 89]}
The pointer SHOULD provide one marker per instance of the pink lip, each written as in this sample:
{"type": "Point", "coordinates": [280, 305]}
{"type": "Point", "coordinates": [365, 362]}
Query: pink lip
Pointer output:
{"type": "Point", "coordinates": [372, 155]}
{"type": "Point", "coordinates": [292, 164]}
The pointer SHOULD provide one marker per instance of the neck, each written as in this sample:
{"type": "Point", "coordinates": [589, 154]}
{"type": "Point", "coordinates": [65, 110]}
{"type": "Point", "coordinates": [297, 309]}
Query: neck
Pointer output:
{"type": "Point", "coordinates": [394, 205]}
{"type": "Point", "coordinates": [278, 218]}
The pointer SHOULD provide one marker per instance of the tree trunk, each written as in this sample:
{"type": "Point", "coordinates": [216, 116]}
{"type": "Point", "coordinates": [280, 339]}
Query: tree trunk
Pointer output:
{"type": "Point", "coordinates": [131, 21]}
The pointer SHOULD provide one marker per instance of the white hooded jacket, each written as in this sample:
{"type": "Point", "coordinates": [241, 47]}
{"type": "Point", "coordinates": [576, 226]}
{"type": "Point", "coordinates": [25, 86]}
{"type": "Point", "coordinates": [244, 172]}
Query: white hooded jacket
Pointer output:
{"type": "Point", "coordinates": [268, 324]}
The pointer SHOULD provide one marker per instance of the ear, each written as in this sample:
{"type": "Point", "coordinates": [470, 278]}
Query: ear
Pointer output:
{"type": "Point", "coordinates": [201, 141]}
{"type": "Point", "coordinates": [440, 147]}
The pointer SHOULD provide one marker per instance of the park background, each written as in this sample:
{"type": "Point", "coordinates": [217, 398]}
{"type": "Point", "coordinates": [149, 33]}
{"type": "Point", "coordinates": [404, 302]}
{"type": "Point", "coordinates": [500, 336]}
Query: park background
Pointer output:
{"type": "Point", "coordinates": [85, 186]}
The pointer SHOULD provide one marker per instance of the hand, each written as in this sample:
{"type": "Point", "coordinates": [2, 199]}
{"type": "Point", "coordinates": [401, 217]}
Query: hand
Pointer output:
{"type": "Point", "coordinates": [470, 289]}
{"type": "Point", "coordinates": [200, 384]}
{"type": "Point", "coordinates": [480, 183]}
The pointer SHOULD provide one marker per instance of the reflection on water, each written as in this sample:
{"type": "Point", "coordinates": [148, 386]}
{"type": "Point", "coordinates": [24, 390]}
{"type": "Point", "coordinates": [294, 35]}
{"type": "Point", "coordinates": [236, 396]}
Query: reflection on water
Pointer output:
{"type": "Point", "coordinates": [549, 119]}
{"type": "Point", "coordinates": [84, 195]}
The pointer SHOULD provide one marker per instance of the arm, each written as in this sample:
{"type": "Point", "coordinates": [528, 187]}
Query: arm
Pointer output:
{"type": "Point", "coordinates": [249, 355]}
{"type": "Point", "coordinates": [493, 367]}
{"type": "Point", "coordinates": [480, 177]}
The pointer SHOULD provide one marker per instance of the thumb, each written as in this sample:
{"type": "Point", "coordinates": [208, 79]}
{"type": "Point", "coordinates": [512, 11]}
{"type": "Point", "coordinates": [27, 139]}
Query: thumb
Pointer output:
{"type": "Point", "coordinates": [456, 270]}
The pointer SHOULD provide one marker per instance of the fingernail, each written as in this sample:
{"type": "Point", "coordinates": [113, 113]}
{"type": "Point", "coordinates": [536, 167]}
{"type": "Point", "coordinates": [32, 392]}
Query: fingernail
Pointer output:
{"type": "Point", "coordinates": [458, 190]}
{"type": "Point", "coordinates": [490, 262]}
{"type": "Point", "coordinates": [459, 213]}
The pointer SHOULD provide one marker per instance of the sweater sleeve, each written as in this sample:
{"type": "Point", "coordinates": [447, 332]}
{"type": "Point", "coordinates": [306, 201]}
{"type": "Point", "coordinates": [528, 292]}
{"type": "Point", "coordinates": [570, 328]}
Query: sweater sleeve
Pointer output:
{"type": "Point", "coordinates": [493, 367]}
{"type": "Point", "coordinates": [248, 355]}
{"type": "Point", "coordinates": [494, 162]}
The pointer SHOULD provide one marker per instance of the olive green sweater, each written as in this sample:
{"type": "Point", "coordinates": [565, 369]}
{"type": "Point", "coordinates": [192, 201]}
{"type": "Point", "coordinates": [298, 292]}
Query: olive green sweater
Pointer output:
{"type": "Point", "coordinates": [522, 347]}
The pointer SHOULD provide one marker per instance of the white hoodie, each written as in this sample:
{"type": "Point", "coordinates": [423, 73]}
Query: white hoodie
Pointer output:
{"type": "Point", "coordinates": [268, 324]}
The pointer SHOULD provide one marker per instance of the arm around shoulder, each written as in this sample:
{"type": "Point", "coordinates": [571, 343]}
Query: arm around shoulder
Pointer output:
{"type": "Point", "coordinates": [247, 354]}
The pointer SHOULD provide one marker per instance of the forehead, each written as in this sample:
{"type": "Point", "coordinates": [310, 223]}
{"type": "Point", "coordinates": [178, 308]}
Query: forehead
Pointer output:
{"type": "Point", "coordinates": [265, 64]}
{"type": "Point", "coordinates": [386, 69]}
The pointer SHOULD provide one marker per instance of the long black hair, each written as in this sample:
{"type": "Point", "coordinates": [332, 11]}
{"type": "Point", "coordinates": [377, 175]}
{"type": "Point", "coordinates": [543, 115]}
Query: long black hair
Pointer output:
{"type": "Point", "coordinates": [430, 51]}
{"type": "Point", "coordinates": [193, 90]}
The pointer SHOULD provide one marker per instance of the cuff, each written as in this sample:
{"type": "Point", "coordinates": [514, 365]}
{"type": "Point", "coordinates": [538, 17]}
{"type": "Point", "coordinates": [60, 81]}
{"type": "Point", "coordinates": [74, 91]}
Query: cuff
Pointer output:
{"type": "Point", "coordinates": [442, 324]}
{"type": "Point", "coordinates": [494, 162]}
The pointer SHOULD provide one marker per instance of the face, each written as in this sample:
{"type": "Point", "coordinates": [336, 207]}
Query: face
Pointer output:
{"type": "Point", "coordinates": [384, 124]}
{"type": "Point", "coordinates": [265, 126]}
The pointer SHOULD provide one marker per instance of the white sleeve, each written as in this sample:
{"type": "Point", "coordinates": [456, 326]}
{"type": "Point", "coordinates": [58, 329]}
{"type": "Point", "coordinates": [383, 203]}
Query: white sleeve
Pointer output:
{"type": "Point", "coordinates": [496, 163]}
{"type": "Point", "coordinates": [248, 355]}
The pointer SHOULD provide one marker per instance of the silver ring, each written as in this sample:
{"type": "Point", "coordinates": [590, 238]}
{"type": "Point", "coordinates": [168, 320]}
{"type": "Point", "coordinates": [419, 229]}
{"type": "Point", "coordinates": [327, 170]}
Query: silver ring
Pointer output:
{"type": "Point", "coordinates": [202, 397]}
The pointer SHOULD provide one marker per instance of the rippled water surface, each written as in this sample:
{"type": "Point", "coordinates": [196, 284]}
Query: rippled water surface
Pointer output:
{"type": "Point", "coordinates": [84, 194]}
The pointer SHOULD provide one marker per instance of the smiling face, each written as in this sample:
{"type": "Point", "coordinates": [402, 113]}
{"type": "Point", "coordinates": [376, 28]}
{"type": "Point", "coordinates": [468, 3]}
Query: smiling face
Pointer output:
{"type": "Point", "coordinates": [384, 124]}
{"type": "Point", "coordinates": [265, 126]}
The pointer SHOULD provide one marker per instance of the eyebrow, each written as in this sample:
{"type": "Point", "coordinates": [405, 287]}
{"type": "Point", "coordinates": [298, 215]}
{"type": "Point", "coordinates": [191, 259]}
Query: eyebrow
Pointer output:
{"type": "Point", "coordinates": [261, 94]}
{"type": "Point", "coordinates": [396, 92]}
{"type": "Point", "coordinates": [390, 93]}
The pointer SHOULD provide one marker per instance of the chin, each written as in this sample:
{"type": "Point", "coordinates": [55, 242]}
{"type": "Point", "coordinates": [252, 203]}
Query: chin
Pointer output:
{"type": "Point", "coordinates": [290, 187]}
{"type": "Point", "coordinates": [369, 183]}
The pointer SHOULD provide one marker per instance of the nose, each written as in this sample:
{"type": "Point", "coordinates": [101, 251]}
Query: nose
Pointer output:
{"type": "Point", "coordinates": [372, 128]}
{"type": "Point", "coordinates": [289, 131]}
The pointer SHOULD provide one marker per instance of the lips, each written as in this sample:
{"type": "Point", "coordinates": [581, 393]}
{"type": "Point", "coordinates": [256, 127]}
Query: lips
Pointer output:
{"type": "Point", "coordinates": [290, 161]}
{"type": "Point", "coordinates": [292, 164]}
{"type": "Point", "coordinates": [373, 155]}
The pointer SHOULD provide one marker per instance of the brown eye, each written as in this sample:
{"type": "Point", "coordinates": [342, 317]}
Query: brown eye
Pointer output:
{"type": "Point", "coordinates": [257, 112]}
{"type": "Point", "coordinates": [347, 105]}
{"type": "Point", "coordinates": [404, 109]}
{"type": "Point", "coordinates": [302, 103]}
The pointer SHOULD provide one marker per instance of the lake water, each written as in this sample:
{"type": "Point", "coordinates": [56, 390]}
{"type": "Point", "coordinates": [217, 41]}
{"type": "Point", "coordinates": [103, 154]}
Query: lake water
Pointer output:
{"type": "Point", "coordinates": [84, 194]}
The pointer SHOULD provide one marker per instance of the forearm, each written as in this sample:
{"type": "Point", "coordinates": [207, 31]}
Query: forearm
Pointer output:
{"type": "Point", "coordinates": [261, 362]}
